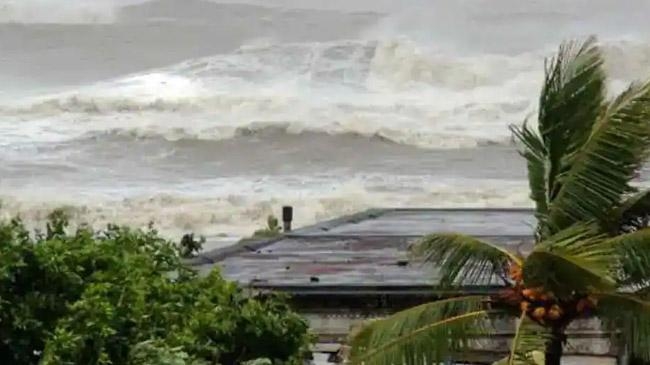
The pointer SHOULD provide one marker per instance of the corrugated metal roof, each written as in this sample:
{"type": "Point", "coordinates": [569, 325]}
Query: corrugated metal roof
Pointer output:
{"type": "Point", "coordinates": [366, 249]}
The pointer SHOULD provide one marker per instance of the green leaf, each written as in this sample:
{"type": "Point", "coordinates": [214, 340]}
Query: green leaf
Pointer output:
{"type": "Point", "coordinates": [464, 260]}
{"type": "Point", "coordinates": [631, 316]}
{"type": "Point", "coordinates": [601, 171]}
{"type": "Point", "coordinates": [529, 341]}
{"type": "Point", "coordinates": [536, 158]}
{"type": "Point", "coordinates": [428, 333]}
{"type": "Point", "coordinates": [633, 254]}
{"type": "Point", "coordinates": [570, 102]}
{"type": "Point", "coordinates": [633, 213]}
{"type": "Point", "coordinates": [577, 259]}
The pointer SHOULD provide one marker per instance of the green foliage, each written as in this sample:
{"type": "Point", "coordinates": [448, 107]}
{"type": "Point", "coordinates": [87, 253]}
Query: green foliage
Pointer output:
{"type": "Point", "coordinates": [271, 230]}
{"type": "Point", "coordinates": [528, 344]}
{"type": "Point", "coordinates": [156, 352]}
{"type": "Point", "coordinates": [601, 171]}
{"type": "Point", "coordinates": [633, 214]}
{"type": "Point", "coordinates": [586, 150]}
{"type": "Point", "coordinates": [634, 252]}
{"type": "Point", "coordinates": [463, 259]}
{"type": "Point", "coordinates": [123, 296]}
{"type": "Point", "coordinates": [570, 102]}
{"type": "Point", "coordinates": [430, 333]}
{"type": "Point", "coordinates": [578, 259]}
{"type": "Point", "coordinates": [630, 314]}
{"type": "Point", "coordinates": [535, 154]}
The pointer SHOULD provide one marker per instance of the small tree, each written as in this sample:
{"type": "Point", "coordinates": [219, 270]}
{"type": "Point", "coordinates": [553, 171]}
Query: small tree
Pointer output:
{"type": "Point", "coordinates": [271, 230]}
{"type": "Point", "coordinates": [122, 296]}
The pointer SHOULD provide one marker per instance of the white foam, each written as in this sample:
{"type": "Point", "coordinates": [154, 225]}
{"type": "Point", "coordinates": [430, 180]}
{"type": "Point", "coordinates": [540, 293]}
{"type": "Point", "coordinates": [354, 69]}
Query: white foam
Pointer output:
{"type": "Point", "coordinates": [240, 206]}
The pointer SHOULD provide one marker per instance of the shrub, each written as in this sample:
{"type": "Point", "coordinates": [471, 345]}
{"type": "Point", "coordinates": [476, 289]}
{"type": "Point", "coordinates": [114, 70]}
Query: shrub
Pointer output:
{"type": "Point", "coordinates": [271, 230]}
{"type": "Point", "coordinates": [122, 296]}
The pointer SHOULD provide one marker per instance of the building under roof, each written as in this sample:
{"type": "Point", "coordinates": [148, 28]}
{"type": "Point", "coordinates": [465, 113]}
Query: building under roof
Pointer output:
{"type": "Point", "coordinates": [353, 268]}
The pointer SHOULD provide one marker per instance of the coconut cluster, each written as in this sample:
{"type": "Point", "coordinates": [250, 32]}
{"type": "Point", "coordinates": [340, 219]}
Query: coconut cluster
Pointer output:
{"type": "Point", "coordinates": [542, 305]}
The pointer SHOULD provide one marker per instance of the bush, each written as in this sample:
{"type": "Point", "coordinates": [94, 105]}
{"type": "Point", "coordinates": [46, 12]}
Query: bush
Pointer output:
{"type": "Point", "coordinates": [123, 296]}
{"type": "Point", "coordinates": [271, 230]}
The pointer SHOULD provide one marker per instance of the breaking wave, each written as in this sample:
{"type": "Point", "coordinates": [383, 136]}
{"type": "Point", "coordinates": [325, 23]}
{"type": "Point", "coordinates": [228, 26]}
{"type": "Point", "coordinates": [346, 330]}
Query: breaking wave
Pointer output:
{"type": "Point", "coordinates": [395, 90]}
{"type": "Point", "coordinates": [392, 89]}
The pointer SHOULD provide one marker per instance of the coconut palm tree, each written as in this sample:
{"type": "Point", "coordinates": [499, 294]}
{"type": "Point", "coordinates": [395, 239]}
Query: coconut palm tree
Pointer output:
{"type": "Point", "coordinates": [591, 253]}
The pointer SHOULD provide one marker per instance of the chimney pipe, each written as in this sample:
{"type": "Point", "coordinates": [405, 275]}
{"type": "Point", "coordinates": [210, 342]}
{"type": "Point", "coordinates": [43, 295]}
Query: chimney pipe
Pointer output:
{"type": "Point", "coordinates": [287, 217]}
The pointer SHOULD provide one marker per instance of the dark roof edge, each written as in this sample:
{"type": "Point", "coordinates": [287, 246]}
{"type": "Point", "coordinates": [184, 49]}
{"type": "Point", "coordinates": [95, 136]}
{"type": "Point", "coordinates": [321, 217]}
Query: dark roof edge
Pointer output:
{"type": "Point", "coordinates": [329, 224]}
{"type": "Point", "coordinates": [218, 254]}
{"type": "Point", "coordinates": [459, 209]}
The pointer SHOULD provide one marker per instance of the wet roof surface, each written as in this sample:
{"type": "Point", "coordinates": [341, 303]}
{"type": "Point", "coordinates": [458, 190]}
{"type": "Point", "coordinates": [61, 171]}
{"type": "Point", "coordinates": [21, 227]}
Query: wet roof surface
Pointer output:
{"type": "Point", "coordinates": [366, 249]}
{"type": "Point", "coordinates": [418, 222]}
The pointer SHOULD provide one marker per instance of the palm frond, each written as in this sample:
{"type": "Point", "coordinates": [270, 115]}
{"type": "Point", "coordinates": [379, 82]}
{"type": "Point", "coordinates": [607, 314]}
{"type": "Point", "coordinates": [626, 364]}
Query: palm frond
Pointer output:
{"type": "Point", "coordinates": [429, 333]}
{"type": "Point", "coordinates": [633, 258]}
{"type": "Point", "coordinates": [576, 259]}
{"type": "Point", "coordinates": [631, 315]}
{"type": "Point", "coordinates": [536, 157]}
{"type": "Point", "coordinates": [601, 171]}
{"type": "Point", "coordinates": [530, 339]}
{"type": "Point", "coordinates": [634, 212]}
{"type": "Point", "coordinates": [462, 259]}
{"type": "Point", "coordinates": [570, 102]}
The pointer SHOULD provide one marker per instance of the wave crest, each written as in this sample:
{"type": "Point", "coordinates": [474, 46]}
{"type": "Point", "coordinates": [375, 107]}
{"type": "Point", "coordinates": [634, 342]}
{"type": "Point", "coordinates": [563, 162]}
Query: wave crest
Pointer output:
{"type": "Point", "coordinates": [395, 90]}
{"type": "Point", "coordinates": [273, 131]}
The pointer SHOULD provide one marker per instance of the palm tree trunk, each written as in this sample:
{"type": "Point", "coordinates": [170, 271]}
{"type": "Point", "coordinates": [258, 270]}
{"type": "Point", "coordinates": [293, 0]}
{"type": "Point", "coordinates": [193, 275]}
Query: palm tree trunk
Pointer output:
{"type": "Point", "coordinates": [554, 348]}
